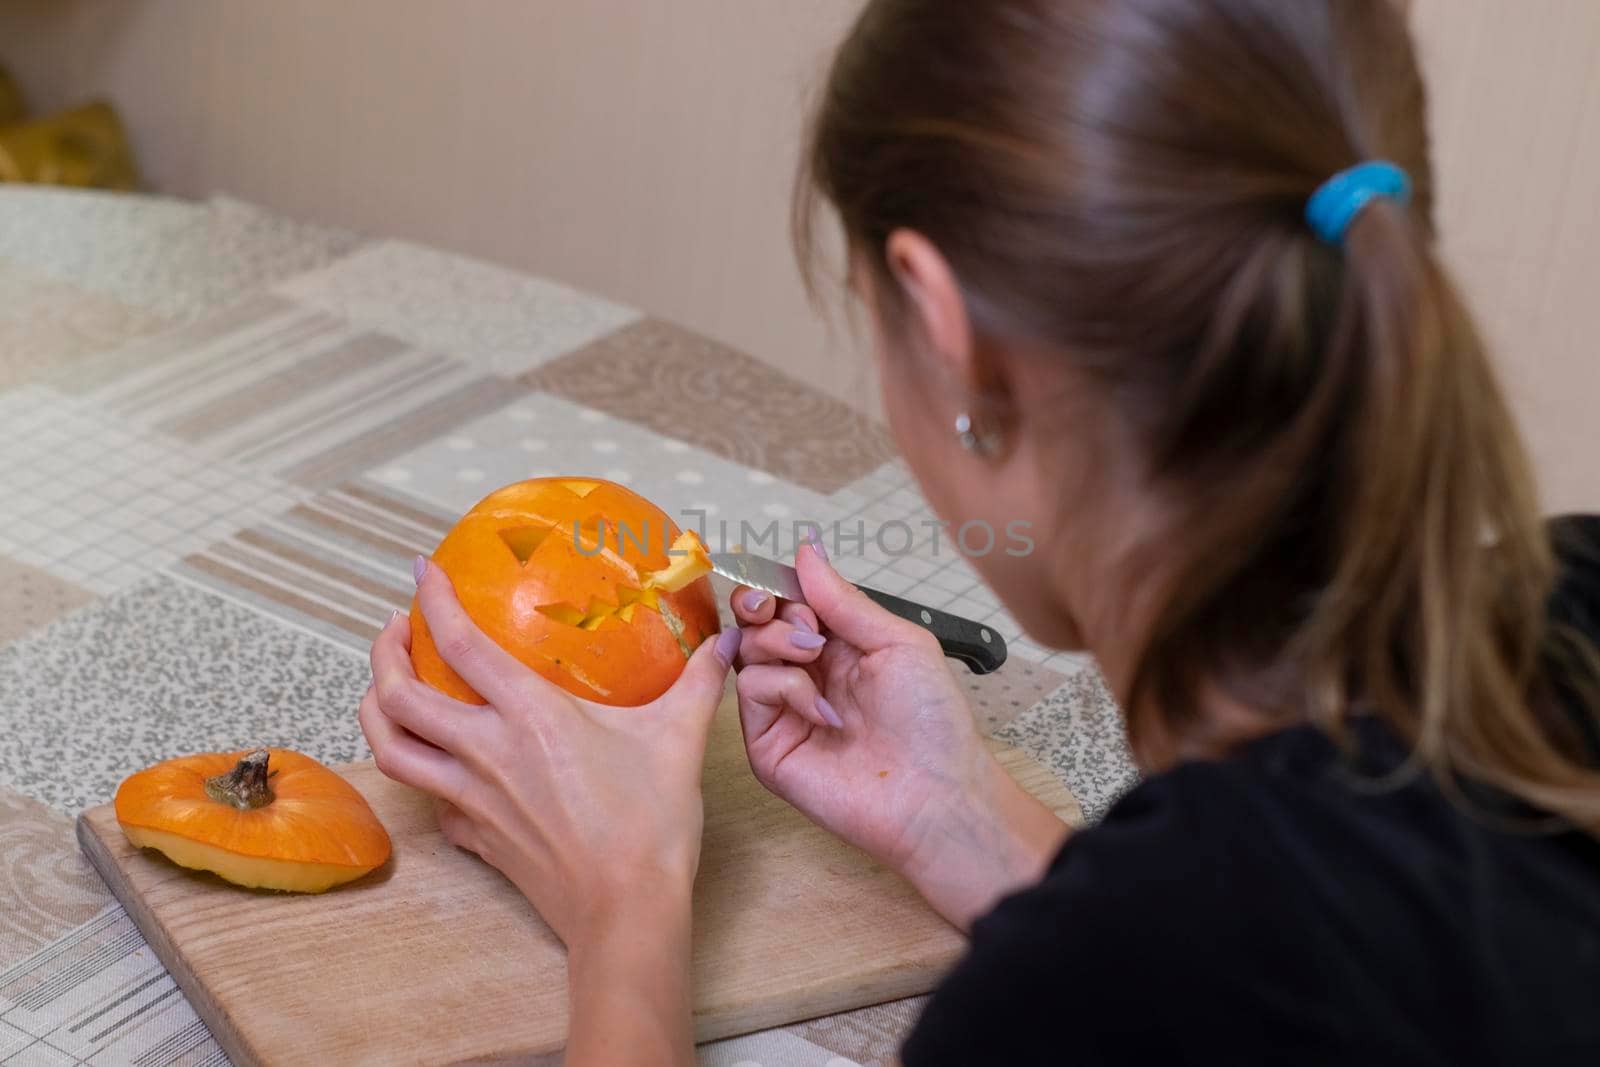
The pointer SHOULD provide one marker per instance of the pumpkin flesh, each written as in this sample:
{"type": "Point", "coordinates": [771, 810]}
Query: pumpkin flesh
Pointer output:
{"type": "Point", "coordinates": [252, 872]}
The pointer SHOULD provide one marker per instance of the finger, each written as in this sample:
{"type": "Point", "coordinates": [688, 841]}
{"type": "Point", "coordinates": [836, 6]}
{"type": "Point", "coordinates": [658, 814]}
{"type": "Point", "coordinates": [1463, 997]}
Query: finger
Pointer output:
{"type": "Point", "coordinates": [405, 758]}
{"type": "Point", "coordinates": [782, 641]}
{"type": "Point", "coordinates": [694, 697]}
{"type": "Point", "coordinates": [752, 607]}
{"type": "Point", "coordinates": [400, 622]}
{"type": "Point", "coordinates": [799, 616]}
{"type": "Point", "coordinates": [844, 610]}
{"type": "Point", "coordinates": [495, 673]}
{"type": "Point", "coordinates": [396, 631]}
{"type": "Point", "coordinates": [456, 827]}
{"type": "Point", "coordinates": [758, 711]}
{"type": "Point", "coordinates": [415, 705]}
{"type": "Point", "coordinates": [767, 690]}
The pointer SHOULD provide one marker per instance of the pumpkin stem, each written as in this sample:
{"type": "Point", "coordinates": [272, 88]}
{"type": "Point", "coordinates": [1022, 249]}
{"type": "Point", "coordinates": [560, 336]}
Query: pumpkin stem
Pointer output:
{"type": "Point", "coordinates": [245, 787]}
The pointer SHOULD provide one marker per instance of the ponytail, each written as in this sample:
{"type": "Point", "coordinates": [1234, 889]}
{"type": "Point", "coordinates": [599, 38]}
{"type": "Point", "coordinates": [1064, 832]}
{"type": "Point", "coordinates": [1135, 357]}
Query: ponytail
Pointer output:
{"type": "Point", "coordinates": [1435, 617]}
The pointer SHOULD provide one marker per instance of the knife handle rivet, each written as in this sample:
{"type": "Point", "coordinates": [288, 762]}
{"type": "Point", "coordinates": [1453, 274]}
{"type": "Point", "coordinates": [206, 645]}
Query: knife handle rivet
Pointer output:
{"type": "Point", "coordinates": [927, 617]}
{"type": "Point", "coordinates": [984, 633]}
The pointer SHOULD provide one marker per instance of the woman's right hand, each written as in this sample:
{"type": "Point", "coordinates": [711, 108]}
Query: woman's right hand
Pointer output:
{"type": "Point", "coordinates": [852, 715]}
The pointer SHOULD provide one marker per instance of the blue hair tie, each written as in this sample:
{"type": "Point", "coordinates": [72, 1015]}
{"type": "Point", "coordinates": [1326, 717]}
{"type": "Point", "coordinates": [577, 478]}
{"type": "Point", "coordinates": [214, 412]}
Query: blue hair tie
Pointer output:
{"type": "Point", "coordinates": [1340, 199]}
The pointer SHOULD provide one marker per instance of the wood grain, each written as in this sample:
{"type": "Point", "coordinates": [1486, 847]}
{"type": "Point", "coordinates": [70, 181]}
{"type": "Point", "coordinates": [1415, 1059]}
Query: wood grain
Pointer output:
{"type": "Point", "coordinates": [437, 959]}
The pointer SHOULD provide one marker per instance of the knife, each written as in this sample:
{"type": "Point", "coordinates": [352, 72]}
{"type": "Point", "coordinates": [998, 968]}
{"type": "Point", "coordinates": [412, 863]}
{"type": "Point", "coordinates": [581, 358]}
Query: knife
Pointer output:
{"type": "Point", "coordinates": [973, 643]}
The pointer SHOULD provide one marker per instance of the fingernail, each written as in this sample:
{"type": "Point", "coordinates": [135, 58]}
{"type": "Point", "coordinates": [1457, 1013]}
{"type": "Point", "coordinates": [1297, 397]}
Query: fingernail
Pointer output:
{"type": "Point", "coordinates": [800, 639]}
{"type": "Point", "coordinates": [418, 568]}
{"type": "Point", "coordinates": [754, 599]}
{"type": "Point", "coordinates": [393, 615]}
{"type": "Point", "coordinates": [803, 626]}
{"type": "Point", "coordinates": [829, 716]}
{"type": "Point", "coordinates": [816, 546]}
{"type": "Point", "coordinates": [728, 645]}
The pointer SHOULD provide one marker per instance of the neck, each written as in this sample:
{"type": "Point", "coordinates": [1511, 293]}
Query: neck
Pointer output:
{"type": "Point", "coordinates": [1123, 602]}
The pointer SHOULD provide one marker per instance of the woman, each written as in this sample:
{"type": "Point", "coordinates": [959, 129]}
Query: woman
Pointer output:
{"type": "Point", "coordinates": [1276, 493]}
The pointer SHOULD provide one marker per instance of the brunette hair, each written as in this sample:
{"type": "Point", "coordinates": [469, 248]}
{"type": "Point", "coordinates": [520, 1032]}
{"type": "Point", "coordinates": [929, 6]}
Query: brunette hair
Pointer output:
{"type": "Point", "coordinates": [1126, 180]}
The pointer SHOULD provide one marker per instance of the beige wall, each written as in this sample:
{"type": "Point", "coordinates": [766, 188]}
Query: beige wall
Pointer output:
{"type": "Point", "coordinates": [644, 149]}
{"type": "Point", "coordinates": [1516, 123]}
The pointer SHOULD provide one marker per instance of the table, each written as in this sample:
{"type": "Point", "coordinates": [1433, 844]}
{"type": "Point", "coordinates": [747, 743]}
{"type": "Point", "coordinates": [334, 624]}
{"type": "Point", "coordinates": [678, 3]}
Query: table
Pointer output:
{"type": "Point", "coordinates": [223, 436]}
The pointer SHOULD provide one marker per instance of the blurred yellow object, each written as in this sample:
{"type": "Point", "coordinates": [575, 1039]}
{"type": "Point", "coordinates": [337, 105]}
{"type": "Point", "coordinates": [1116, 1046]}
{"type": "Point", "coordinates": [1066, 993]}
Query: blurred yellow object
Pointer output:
{"type": "Point", "coordinates": [83, 147]}
{"type": "Point", "coordinates": [12, 107]}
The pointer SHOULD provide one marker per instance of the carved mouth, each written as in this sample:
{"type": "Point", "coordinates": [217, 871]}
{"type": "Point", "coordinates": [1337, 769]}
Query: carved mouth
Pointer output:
{"type": "Point", "coordinates": [687, 562]}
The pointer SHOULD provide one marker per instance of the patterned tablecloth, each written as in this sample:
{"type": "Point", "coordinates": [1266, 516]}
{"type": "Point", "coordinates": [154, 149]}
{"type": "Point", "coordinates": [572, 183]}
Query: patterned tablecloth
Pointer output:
{"type": "Point", "coordinates": [224, 435]}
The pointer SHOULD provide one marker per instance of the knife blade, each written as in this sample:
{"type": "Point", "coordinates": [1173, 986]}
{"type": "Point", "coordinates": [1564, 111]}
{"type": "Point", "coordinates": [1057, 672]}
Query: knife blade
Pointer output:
{"type": "Point", "coordinates": [976, 645]}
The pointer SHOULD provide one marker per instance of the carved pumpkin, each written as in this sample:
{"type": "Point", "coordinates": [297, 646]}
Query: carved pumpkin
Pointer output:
{"type": "Point", "coordinates": [267, 819]}
{"type": "Point", "coordinates": [574, 577]}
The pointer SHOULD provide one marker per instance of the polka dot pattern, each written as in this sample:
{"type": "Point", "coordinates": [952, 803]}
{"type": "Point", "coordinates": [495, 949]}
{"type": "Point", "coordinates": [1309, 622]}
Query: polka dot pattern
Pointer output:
{"type": "Point", "coordinates": [741, 506]}
{"type": "Point", "coordinates": [498, 319]}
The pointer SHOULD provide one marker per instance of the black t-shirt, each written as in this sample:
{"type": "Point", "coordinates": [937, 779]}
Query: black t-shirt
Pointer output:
{"type": "Point", "coordinates": [1280, 906]}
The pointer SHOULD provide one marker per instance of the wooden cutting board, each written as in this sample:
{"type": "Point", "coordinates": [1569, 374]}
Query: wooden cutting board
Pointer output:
{"type": "Point", "coordinates": [436, 958]}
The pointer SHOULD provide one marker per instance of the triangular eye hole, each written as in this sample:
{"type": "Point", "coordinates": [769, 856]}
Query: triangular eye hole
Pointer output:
{"type": "Point", "coordinates": [565, 614]}
{"type": "Point", "coordinates": [580, 487]}
{"type": "Point", "coordinates": [592, 619]}
{"type": "Point", "coordinates": [524, 541]}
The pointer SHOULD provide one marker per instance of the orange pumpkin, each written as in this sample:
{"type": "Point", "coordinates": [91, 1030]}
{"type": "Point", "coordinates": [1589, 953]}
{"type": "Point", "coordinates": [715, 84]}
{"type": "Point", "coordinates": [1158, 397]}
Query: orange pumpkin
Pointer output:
{"type": "Point", "coordinates": [267, 819]}
{"type": "Point", "coordinates": [583, 580]}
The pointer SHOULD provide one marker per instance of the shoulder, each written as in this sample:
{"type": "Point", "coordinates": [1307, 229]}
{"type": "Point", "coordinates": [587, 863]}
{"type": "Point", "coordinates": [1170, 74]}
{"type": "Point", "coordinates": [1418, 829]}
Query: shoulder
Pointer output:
{"type": "Point", "coordinates": [1169, 901]}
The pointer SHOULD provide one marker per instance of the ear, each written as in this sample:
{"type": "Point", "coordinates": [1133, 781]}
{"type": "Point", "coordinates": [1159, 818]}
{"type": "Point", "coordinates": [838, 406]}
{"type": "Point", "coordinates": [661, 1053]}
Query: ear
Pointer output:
{"type": "Point", "coordinates": [934, 298]}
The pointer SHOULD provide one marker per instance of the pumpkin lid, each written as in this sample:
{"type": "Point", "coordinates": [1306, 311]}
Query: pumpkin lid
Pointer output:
{"type": "Point", "coordinates": [279, 806]}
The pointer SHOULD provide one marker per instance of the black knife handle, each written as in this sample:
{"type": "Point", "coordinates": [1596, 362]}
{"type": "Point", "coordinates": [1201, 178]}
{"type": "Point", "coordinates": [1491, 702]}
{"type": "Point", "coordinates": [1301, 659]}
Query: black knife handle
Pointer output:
{"type": "Point", "coordinates": [973, 643]}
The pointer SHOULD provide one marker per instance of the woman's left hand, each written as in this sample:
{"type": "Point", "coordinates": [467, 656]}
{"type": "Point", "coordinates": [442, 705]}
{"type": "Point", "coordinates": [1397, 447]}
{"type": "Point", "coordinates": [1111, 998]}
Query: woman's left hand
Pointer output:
{"type": "Point", "coordinates": [593, 812]}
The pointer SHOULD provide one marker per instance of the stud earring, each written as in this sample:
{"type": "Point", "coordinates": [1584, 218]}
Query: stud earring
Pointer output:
{"type": "Point", "coordinates": [978, 442]}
